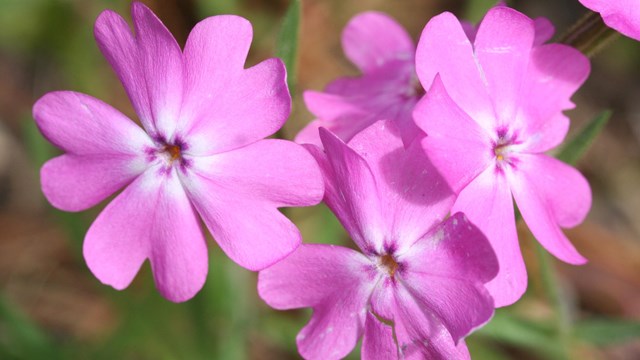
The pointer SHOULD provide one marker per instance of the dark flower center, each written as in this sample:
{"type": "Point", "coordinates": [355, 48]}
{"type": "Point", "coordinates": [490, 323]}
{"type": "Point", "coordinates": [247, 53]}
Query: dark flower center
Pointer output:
{"type": "Point", "coordinates": [389, 264]}
{"type": "Point", "coordinates": [174, 152]}
{"type": "Point", "coordinates": [503, 147]}
{"type": "Point", "coordinates": [170, 153]}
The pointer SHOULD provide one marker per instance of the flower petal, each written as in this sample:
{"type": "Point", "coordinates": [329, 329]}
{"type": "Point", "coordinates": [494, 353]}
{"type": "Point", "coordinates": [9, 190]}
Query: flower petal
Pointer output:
{"type": "Point", "coordinates": [334, 281]}
{"type": "Point", "coordinates": [311, 275]}
{"type": "Point", "coordinates": [445, 49]}
{"type": "Point", "coordinates": [227, 106]}
{"type": "Point", "coordinates": [555, 72]}
{"type": "Point", "coordinates": [551, 194]}
{"type": "Point", "coordinates": [460, 305]}
{"type": "Point", "coordinates": [338, 114]}
{"type": "Point", "coordinates": [149, 65]}
{"type": "Point", "coordinates": [544, 30]}
{"type": "Point", "coordinates": [444, 276]}
{"type": "Point", "coordinates": [414, 194]}
{"type": "Point", "coordinates": [310, 134]}
{"type": "Point", "coordinates": [106, 149]}
{"type": "Point", "coordinates": [152, 218]}
{"type": "Point", "coordinates": [78, 182]}
{"type": "Point", "coordinates": [455, 143]}
{"type": "Point", "coordinates": [278, 172]}
{"type": "Point", "coordinates": [83, 125]}
{"type": "Point", "coordinates": [621, 15]}
{"type": "Point", "coordinates": [502, 46]}
{"type": "Point", "coordinates": [249, 229]}
{"type": "Point", "coordinates": [378, 342]}
{"type": "Point", "coordinates": [370, 39]}
{"type": "Point", "coordinates": [419, 333]}
{"type": "Point", "coordinates": [350, 105]}
{"type": "Point", "coordinates": [447, 249]}
{"type": "Point", "coordinates": [351, 192]}
{"type": "Point", "coordinates": [487, 203]}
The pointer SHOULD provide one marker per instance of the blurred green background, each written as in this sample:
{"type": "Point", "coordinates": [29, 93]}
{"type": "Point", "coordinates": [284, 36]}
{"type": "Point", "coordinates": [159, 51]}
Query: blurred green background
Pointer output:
{"type": "Point", "coordinates": [51, 307]}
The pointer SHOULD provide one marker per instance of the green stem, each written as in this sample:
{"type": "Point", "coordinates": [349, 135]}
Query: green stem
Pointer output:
{"type": "Point", "coordinates": [551, 283]}
{"type": "Point", "coordinates": [589, 35]}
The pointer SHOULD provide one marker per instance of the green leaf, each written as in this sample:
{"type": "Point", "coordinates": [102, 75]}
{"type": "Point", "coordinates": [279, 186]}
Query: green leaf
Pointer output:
{"type": "Point", "coordinates": [607, 331]}
{"type": "Point", "coordinates": [24, 338]}
{"type": "Point", "coordinates": [509, 329]}
{"type": "Point", "coordinates": [287, 46]}
{"type": "Point", "coordinates": [576, 147]}
{"type": "Point", "coordinates": [475, 9]}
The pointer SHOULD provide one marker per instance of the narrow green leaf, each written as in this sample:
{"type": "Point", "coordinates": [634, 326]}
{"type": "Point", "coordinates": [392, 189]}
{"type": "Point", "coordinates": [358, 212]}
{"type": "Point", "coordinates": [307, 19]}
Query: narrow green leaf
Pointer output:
{"type": "Point", "coordinates": [607, 331]}
{"type": "Point", "coordinates": [26, 339]}
{"type": "Point", "coordinates": [509, 329]}
{"type": "Point", "coordinates": [287, 46]}
{"type": "Point", "coordinates": [576, 147]}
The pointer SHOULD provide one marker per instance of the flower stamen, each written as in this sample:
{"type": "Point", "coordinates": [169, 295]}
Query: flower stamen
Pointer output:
{"type": "Point", "coordinates": [174, 152]}
{"type": "Point", "coordinates": [389, 264]}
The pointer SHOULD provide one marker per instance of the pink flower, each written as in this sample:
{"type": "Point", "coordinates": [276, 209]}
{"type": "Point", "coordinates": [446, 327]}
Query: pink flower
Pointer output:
{"type": "Point", "coordinates": [201, 151]}
{"type": "Point", "coordinates": [491, 113]}
{"type": "Point", "coordinates": [388, 88]}
{"type": "Point", "coordinates": [418, 281]}
{"type": "Point", "coordinates": [621, 15]}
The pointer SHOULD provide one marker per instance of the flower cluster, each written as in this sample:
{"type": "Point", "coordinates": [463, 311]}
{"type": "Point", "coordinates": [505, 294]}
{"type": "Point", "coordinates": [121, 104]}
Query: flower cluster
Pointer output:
{"type": "Point", "coordinates": [420, 158]}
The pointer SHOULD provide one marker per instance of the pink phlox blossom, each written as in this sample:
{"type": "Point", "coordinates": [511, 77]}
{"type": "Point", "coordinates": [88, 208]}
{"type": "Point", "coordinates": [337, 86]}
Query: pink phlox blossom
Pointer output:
{"type": "Point", "coordinates": [621, 15]}
{"type": "Point", "coordinates": [387, 89]}
{"type": "Point", "coordinates": [200, 151]}
{"type": "Point", "coordinates": [416, 287]}
{"type": "Point", "coordinates": [493, 108]}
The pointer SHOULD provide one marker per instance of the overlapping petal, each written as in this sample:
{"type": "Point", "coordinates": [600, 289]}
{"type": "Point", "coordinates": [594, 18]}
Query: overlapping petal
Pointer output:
{"type": "Point", "coordinates": [544, 30]}
{"type": "Point", "coordinates": [487, 203]}
{"type": "Point", "coordinates": [372, 38]}
{"type": "Point", "coordinates": [445, 49]}
{"type": "Point", "coordinates": [503, 56]}
{"type": "Point", "coordinates": [621, 15]}
{"type": "Point", "coordinates": [378, 341]}
{"type": "Point", "coordinates": [455, 143]}
{"type": "Point", "coordinates": [414, 195]}
{"type": "Point", "coordinates": [152, 218]}
{"type": "Point", "coordinates": [149, 65]}
{"type": "Point", "coordinates": [335, 282]}
{"type": "Point", "coordinates": [448, 248]}
{"type": "Point", "coordinates": [555, 72]}
{"type": "Point", "coordinates": [450, 284]}
{"type": "Point", "coordinates": [350, 105]}
{"type": "Point", "coordinates": [420, 334]}
{"type": "Point", "coordinates": [558, 196]}
{"type": "Point", "coordinates": [351, 192]}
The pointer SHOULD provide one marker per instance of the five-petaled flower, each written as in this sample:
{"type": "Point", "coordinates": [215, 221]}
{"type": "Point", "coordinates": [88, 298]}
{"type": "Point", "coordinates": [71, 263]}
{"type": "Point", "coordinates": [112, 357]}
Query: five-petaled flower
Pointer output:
{"type": "Point", "coordinates": [491, 113]}
{"type": "Point", "coordinates": [388, 88]}
{"type": "Point", "coordinates": [417, 288]}
{"type": "Point", "coordinates": [621, 15]}
{"type": "Point", "coordinates": [201, 151]}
